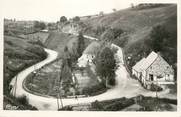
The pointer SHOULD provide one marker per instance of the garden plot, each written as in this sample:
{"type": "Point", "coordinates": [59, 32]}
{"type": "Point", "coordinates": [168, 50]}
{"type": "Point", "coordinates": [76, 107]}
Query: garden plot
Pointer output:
{"type": "Point", "coordinates": [84, 80]}
{"type": "Point", "coordinates": [43, 82]}
{"type": "Point", "coordinates": [46, 81]}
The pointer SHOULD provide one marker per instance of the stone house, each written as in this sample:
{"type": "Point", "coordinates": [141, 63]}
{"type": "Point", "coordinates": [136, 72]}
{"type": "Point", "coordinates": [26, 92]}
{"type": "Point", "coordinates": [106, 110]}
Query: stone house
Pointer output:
{"type": "Point", "coordinates": [153, 70]}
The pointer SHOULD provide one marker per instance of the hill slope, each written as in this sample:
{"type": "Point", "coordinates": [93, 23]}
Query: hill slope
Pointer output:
{"type": "Point", "coordinates": [18, 54]}
{"type": "Point", "coordinates": [133, 26]}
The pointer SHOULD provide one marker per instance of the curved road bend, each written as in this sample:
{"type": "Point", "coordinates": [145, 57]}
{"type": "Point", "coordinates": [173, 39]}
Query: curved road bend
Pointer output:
{"type": "Point", "coordinates": [50, 103]}
{"type": "Point", "coordinates": [125, 87]}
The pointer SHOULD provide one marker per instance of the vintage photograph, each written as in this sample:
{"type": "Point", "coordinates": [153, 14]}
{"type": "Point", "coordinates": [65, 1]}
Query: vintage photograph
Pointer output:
{"type": "Point", "coordinates": [90, 56]}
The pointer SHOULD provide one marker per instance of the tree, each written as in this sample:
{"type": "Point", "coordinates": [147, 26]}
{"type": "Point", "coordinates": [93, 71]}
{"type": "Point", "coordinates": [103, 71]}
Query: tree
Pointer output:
{"type": "Point", "coordinates": [114, 10]}
{"type": "Point", "coordinates": [159, 37]}
{"type": "Point", "coordinates": [42, 25]}
{"type": "Point", "coordinates": [66, 76]}
{"type": "Point", "coordinates": [76, 19]}
{"type": "Point", "coordinates": [101, 13]}
{"type": "Point", "coordinates": [63, 19]}
{"type": "Point", "coordinates": [106, 66]}
{"type": "Point", "coordinates": [39, 25]}
{"type": "Point", "coordinates": [81, 44]}
{"type": "Point", "coordinates": [112, 34]}
{"type": "Point", "coordinates": [66, 71]}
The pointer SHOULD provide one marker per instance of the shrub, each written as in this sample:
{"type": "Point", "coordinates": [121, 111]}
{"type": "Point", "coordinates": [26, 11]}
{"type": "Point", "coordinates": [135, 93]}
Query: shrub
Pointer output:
{"type": "Point", "coordinates": [112, 105]}
{"type": "Point", "coordinates": [155, 87]}
{"type": "Point", "coordinates": [97, 106]}
{"type": "Point", "coordinates": [37, 42]}
{"type": "Point", "coordinates": [94, 90]}
{"type": "Point", "coordinates": [38, 51]}
{"type": "Point", "coordinates": [66, 108]}
{"type": "Point", "coordinates": [23, 100]}
{"type": "Point", "coordinates": [112, 34]}
{"type": "Point", "coordinates": [119, 105]}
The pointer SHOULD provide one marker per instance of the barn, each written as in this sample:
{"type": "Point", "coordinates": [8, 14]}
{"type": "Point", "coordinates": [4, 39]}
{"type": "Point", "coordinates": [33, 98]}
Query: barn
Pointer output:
{"type": "Point", "coordinates": [153, 70]}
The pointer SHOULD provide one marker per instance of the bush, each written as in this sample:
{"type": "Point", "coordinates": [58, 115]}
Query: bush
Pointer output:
{"type": "Point", "coordinates": [23, 100]}
{"type": "Point", "coordinates": [172, 101]}
{"type": "Point", "coordinates": [39, 25]}
{"type": "Point", "coordinates": [155, 87]}
{"type": "Point", "coordinates": [116, 106]}
{"type": "Point", "coordinates": [37, 42]}
{"type": "Point", "coordinates": [66, 108]}
{"type": "Point", "coordinates": [112, 34]}
{"type": "Point", "coordinates": [94, 90]}
{"type": "Point", "coordinates": [38, 51]}
{"type": "Point", "coordinates": [97, 106]}
{"type": "Point", "coordinates": [122, 41]}
{"type": "Point", "coordinates": [112, 105]}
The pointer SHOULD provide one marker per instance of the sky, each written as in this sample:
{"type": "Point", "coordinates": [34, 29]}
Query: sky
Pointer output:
{"type": "Point", "coordinates": [52, 10]}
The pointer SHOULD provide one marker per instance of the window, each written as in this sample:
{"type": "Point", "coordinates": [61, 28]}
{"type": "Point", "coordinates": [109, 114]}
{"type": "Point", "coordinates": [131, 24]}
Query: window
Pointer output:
{"type": "Point", "coordinates": [151, 77]}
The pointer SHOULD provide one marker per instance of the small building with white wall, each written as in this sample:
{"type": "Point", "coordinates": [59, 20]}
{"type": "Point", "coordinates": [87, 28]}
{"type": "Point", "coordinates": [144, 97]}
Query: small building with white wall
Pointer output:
{"type": "Point", "coordinates": [89, 54]}
{"type": "Point", "coordinates": [153, 69]}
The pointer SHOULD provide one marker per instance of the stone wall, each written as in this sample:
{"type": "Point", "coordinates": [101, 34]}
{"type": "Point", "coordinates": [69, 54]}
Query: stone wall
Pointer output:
{"type": "Point", "coordinates": [160, 68]}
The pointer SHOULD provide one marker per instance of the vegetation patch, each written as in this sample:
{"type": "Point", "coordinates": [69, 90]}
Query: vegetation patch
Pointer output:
{"type": "Point", "coordinates": [145, 103]}
{"type": "Point", "coordinates": [18, 55]}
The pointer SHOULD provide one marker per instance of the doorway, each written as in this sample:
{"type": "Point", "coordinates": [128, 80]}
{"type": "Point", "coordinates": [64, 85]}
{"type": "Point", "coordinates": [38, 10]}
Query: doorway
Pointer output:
{"type": "Point", "coordinates": [151, 77]}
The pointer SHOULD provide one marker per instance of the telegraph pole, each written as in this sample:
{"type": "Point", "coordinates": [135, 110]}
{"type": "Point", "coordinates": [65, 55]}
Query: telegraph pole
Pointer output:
{"type": "Point", "coordinates": [15, 85]}
{"type": "Point", "coordinates": [58, 102]}
{"type": "Point", "coordinates": [157, 94]}
{"type": "Point", "coordinates": [35, 73]}
{"type": "Point", "coordinates": [59, 88]}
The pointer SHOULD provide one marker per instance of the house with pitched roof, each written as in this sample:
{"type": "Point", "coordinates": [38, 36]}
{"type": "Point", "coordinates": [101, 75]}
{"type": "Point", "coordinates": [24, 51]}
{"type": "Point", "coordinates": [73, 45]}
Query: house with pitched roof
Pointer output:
{"type": "Point", "coordinates": [89, 54]}
{"type": "Point", "coordinates": [153, 70]}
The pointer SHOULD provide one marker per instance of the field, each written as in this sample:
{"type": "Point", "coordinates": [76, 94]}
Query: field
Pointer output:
{"type": "Point", "coordinates": [18, 55]}
{"type": "Point", "coordinates": [42, 36]}
{"type": "Point", "coordinates": [58, 40]}
{"type": "Point", "coordinates": [137, 24]}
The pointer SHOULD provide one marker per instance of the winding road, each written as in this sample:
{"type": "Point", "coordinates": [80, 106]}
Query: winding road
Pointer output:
{"type": "Point", "coordinates": [125, 86]}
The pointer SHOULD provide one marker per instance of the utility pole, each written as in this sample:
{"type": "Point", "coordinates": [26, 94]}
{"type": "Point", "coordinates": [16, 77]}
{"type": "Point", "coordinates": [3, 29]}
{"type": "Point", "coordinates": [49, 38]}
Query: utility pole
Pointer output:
{"type": "Point", "coordinates": [60, 85]}
{"type": "Point", "coordinates": [157, 93]}
{"type": "Point", "coordinates": [15, 85]}
{"type": "Point", "coordinates": [58, 102]}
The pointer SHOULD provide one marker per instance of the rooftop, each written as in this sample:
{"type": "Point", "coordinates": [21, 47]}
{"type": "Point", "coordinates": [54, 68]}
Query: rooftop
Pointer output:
{"type": "Point", "coordinates": [144, 63]}
{"type": "Point", "coordinates": [92, 48]}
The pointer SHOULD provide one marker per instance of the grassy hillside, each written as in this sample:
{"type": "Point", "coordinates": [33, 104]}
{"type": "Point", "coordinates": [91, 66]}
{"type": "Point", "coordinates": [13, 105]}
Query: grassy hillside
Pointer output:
{"type": "Point", "coordinates": [42, 36]}
{"type": "Point", "coordinates": [18, 55]}
{"type": "Point", "coordinates": [130, 28]}
{"type": "Point", "coordinates": [58, 40]}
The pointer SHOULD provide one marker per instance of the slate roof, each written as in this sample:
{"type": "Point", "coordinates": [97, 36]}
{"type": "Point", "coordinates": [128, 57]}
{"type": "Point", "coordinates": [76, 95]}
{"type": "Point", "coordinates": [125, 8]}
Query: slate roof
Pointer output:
{"type": "Point", "coordinates": [92, 48]}
{"type": "Point", "coordinates": [144, 63]}
{"type": "Point", "coordinates": [139, 65]}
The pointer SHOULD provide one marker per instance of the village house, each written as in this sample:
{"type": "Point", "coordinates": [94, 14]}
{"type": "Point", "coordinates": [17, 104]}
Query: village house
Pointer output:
{"type": "Point", "coordinates": [88, 54]}
{"type": "Point", "coordinates": [153, 70]}
{"type": "Point", "coordinates": [69, 27]}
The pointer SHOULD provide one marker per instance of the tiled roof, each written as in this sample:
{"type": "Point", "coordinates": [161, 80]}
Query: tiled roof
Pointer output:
{"type": "Point", "coordinates": [144, 63]}
{"type": "Point", "coordinates": [139, 65]}
{"type": "Point", "coordinates": [92, 48]}
{"type": "Point", "coordinates": [149, 60]}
